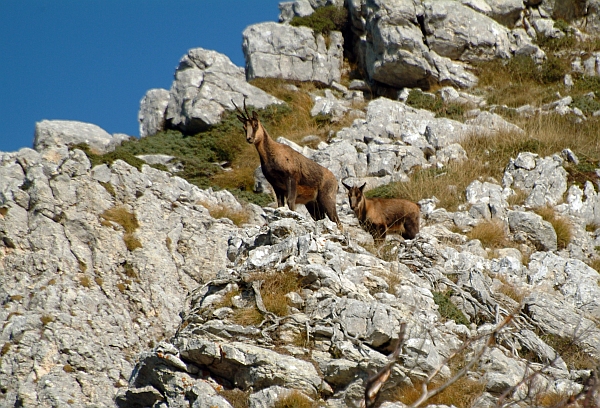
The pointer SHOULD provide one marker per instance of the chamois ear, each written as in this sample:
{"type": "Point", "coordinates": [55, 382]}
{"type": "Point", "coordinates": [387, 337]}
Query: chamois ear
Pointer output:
{"type": "Point", "coordinates": [347, 186]}
{"type": "Point", "coordinates": [363, 186]}
{"type": "Point", "coordinates": [241, 119]}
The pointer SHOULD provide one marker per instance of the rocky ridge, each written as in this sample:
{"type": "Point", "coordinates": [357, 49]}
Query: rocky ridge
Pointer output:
{"type": "Point", "coordinates": [119, 287]}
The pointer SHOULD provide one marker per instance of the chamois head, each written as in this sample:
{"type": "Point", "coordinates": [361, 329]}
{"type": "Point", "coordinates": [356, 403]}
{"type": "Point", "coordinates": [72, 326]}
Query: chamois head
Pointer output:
{"type": "Point", "coordinates": [252, 125]}
{"type": "Point", "coordinates": [355, 195]}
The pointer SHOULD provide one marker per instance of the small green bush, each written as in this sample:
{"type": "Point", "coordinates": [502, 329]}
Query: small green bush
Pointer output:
{"type": "Point", "coordinates": [586, 104]}
{"type": "Point", "coordinates": [324, 19]}
{"type": "Point", "coordinates": [422, 100]}
{"type": "Point", "coordinates": [447, 309]}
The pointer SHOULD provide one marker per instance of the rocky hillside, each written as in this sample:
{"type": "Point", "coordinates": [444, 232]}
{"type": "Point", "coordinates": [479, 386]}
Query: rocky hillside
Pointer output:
{"type": "Point", "coordinates": [123, 284]}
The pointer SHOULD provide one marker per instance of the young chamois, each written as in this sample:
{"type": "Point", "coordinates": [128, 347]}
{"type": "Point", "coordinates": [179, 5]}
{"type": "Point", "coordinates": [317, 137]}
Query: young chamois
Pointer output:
{"type": "Point", "coordinates": [294, 177]}
{"type": "Point", "coordinates": [378, 216]}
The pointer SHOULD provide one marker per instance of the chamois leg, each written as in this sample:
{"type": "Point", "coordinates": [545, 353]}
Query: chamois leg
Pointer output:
{"type": "Point", "coordinates": [326, 204]}
{"type": "Point", "coordinates": [379, 233]}
{"type": "Point", "coordinates": [411, 227]}
{"type": "Point", "coordinates": [315, 212]}
{"type": "Point", "coordinates": [280, 194]}
{"type": "Point", "coordinates": [291, 193]}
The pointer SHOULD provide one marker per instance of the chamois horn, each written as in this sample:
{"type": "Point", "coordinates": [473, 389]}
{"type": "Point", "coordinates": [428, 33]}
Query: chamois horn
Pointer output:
{"type": "Point", "coordinates": [247, 115]}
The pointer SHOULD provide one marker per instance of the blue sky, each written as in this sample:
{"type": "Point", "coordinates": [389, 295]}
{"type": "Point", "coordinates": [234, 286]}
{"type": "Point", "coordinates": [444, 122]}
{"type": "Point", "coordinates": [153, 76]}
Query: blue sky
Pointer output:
{"type": "Point", "coordinates": [93, 60]}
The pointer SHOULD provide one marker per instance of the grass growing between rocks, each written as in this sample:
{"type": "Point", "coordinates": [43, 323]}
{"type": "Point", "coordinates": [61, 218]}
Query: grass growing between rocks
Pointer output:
{"type": "Point", "coordinates": [562, 227]}
{"type": "Point", "coordinates": [491, 234]}
{"type": "Point", "coordinates": [503, 81]}
{"type": "Point", "coordinates": [461, 394]}
{"type": "Point", "coordinates": [447, 309]}
{"type": "Point", "coordinates": [274, 288]}
{"type": "Point", "coordinates": [488, 156]}
{"type": "Point", "coordinates": [324, 19]}
{"type": "Point", "coordinates": [572, 354]}
{"type": "Point", "coordinates": [126, 219]}
{"type": "Point", "coordinates": [236, 397]}
{"type": "Point", "coordinates": [423, 100]}
{"type": "Point", "coordinates": [238, 217]}
{"type": "Point", "coordinates": [294, 399]}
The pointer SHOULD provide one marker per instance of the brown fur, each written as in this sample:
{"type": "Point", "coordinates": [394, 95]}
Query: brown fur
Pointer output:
{"type": "Point", "coordinates": [294, 178]}
{"type": "Point", "coordinates": [378, 216]}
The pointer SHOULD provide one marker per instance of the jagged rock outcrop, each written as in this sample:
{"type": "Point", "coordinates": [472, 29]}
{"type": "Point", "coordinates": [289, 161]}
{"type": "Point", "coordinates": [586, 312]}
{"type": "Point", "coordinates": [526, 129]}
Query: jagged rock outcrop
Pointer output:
{"type": "Point", "coordinates": [118, 287]}
{"type": "Point", "coordinates": [81, 292]}
{"type": "Point", "coordinates": [393, 138]}
{"type": "Point", "coordinates": [59, 134]}
{"type": "Point", "coordinates": [152, 111]}
{"type": "Point", "coordinates": [89, 309]}
{"type": "Point", "coordinates": [275, 50]}
{"type": "Point", "coordinates": [205, 83]}
{"type": "Point", "coordinates": [407, 43]}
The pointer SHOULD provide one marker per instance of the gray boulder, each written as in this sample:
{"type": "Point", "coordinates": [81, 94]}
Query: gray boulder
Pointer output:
{"type": "Point", "coordinates": [447, 34]}
{"type": "Point", "coordinates": [290, 9]}
{"type": "Point", "coordinates": [505, 12]}
{"type": "Point", "coordinates": [584, 205]}
{"type": "Point", "coordinates": [275, 50]}
{"type": "Point", "coordinates": [152, 111]}
{"type": "Point", "coordinates": [533, 228]}
{"type": "Point", "coordinates": [543, 178]}
{"type": "Point", "coordinates": [490, 195]}
{"type": "Point", "coordinates": [558, 317]}
{"type": "Point", "coordinates": [56, 134]}
{"type": "Point", "coordinates": [205, 84]}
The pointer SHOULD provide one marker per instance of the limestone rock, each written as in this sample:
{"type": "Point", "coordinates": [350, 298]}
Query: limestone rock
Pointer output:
{"type": "Point", "coordinates": [448, 36]}
{"type": "Point", "coordinates": [543, 178]}
{"type": "Point", "coordinates": [152, 111]}
{"type": "Point", "coordinates": [55, 134]}
{"type": "Point", "coordinates": [537, 230]}
{"type": "Point", "coordinates": [205, 84]}
{"type": "Point", "coordinates": [275, 50]}
{"type": "Point", "coordinates": [290, 9]}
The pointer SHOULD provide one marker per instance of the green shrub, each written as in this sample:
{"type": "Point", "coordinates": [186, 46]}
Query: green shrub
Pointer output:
{"type": "Point", "coordinates": [586, 104]}
{"type": "Point", "coordinates": [324, 19]}
{"type": "Point", "coordinates": [447, 309]}
{"type": "Point", "coordinates": [422, 100]}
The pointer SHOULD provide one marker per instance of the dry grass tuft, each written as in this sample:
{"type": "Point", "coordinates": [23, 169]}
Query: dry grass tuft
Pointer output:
{"type": "Point", "coordinates": [572, 354]}
{"type": "Point", "coordinates": [461, 394]}
{"type": "Point", "coordinates": [562, 226]}
{"type": "Point", "coordinates": [551, 399]}
{"type": "Point", "coordinates": [595, 263]}
{"type": "Point", "coordinates": [238, 217]}
{"type": "Point", "coordinates": [492, 234]}
{"type": "Point", "coordinates": [120, 215]}
{"type": "Point", "coordinates": [5, 349]}
{"type": "Point", "coordinates": [236, 397]}
{"type": "Point", "coordinates": [391, 278]}
{"type": "Point", "coordinates": [518, 198]}
{"type": "Point", "coordinates": [274, 288]}
{"type": "Point", "coordinates": [226, 299]}
{"type": "Point", "coordinates": [512, 292]}
{"type": "Point", "coordinates": [46, 319]}
{"type": "Point", "coordinates": [248, 316]}
{"type": "Point", "coordinates": [294, 399]}
{"type": "Point", "coordinates": [85, 281]}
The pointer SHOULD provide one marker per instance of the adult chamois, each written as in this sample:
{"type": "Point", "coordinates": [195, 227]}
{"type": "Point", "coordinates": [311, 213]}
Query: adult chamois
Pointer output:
{"type": "Point", "coordinates": [378, 216]}
{"type": "Point", "coordinates": [295, 178]}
